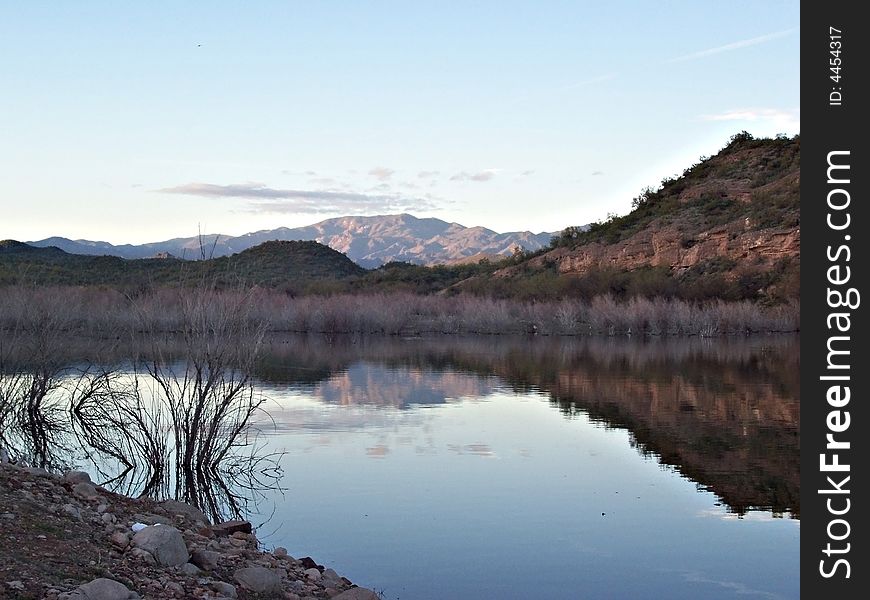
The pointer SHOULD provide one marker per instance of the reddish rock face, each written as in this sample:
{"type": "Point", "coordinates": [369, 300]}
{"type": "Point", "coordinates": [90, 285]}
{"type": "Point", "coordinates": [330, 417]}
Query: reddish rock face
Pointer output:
{"type": "Point", "coordinates": [667, 248]}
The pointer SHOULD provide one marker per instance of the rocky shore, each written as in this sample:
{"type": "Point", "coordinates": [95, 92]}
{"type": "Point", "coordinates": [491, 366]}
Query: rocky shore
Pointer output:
{"type": "Point", "coordinates": [65, 538]}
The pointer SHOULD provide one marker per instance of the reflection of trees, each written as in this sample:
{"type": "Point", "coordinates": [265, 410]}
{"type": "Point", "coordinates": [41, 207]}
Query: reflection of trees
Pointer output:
{"type": "Point", "coordinates": [32, 423]}
{"type": "Point", "coordinates": [195, 445]}
{"type": "Point", "coordinates": [160, 426]}
{"type": "Point", "coordinates": [724, 413]}
{"type": "Point", "coordinates": [33, 427]}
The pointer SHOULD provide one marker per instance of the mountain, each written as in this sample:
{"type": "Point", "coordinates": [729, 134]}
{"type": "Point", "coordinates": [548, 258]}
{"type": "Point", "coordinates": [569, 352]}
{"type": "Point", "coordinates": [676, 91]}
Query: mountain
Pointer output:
{"type": "Point", "coordinates": [728, 227]}
{"type": "Point", "coordinates": [368, 241]}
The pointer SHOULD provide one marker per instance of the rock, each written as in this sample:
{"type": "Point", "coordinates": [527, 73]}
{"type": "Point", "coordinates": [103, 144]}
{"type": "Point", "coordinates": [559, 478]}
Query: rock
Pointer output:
{"type": "Point", "coordinates": [230, 527]}
{"type": "Point", "coordinates": [15, 585]}
{"type": "Point", "coordinates": [85, 490]}
{"type": "Point", "coordinates": [38, 472]}
{"type": "Point", "coordinates": [279, 552]}
{"type": "Point", "coordinates": [143, 555]}
{"type": "Point", "coordinates": [120, 539]}
{"type": "Point", "coordinates": [357, 593]}
{"type": "Point", "coordinates": [190, 569]}
{"type": "Point", "coordinates": [259, 579]}
{"type": "Point", "coordinates": [174, 507]}
{"type": "Point", "coordinates": [151, 519]}
{"type": "Point", "coordinates": [164, 543]}
{"type": "Point", "coordinates": [108, 518]}
{"type": "Point", "coordinates": [308, 563]}
{"type": "Point", "coordinates": [69, 509]}
{"type": "Point", "coordinates": [330, 575]}
{"type": "Point", "coordinates": [101, 589]}
{"type": "Point", "coordinates": [227, 590]}
{"type": "Point", "coordinates": [313, 574]}
{"type": "Point", "coordinates": [174, 588]}
{"type": "Point", "coordinates": [205, 559]}
{"type": "Point", "coordinates": [75, 477]}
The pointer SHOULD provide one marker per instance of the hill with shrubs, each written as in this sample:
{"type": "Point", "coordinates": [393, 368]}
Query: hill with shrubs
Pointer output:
{"type": "Point", "coordinates": [727, 228]}
{"type": "Point", "coordinates": [271, 264]}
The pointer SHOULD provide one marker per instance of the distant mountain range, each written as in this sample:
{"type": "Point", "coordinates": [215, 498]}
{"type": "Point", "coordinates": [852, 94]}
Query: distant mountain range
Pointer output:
{"type": "Point", "coordinates": [728, 228]}
{"type": "Point", "coordinates": [368, 241]}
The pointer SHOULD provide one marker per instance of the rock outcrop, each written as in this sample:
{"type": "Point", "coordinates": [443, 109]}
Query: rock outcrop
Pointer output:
{"type": "Point", "coordinates": [62, 544]}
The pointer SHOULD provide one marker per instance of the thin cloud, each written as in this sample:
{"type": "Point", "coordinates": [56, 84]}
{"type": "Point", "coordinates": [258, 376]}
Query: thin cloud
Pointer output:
{"type": "Point", "coordinates": [528, 173]}
{"type": "Point", "coordinates": [264, 199]}
{"type": "Point", "coordinates": [784, 120]}
{"type": "Point", "coordinates": [382, 173]}
{"type": "Point", "coordinates": [735, 45]}
{"type": "Point", "coordinates": [479, 176]}
{"type": "Point", "coordinates": [597, 173]}
{"type": "Point", "coordinates": [428, 174]}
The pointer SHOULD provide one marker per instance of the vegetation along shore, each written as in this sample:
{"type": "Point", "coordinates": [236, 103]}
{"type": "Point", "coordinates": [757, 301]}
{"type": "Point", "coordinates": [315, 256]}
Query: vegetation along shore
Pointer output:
{"type": "Point", "coordinates": [715, 250]}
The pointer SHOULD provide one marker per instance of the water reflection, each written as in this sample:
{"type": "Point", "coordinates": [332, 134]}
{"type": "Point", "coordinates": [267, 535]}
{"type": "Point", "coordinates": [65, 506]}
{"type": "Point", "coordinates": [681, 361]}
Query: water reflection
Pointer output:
{"type": "Point", "coordinates": [504, 460]}
{"type": "Point", "coordinates": [723, 413]}
{"type": "Point", "coordinates": [150, 426]}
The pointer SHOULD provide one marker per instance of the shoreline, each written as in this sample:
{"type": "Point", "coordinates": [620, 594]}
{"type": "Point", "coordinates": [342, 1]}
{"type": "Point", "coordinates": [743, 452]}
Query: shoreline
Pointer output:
{"type": "Point", "coordinates": [257, 311]}
{"type": "Point", "coordinates": [67, 539]}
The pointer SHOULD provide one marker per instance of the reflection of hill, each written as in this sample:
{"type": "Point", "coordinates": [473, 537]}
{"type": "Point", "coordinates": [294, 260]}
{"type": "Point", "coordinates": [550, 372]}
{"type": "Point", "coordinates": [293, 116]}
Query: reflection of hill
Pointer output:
{"type": "Point", "coordinates": [725, 414]}
{"type": "Point", "coordinates": [737, 435]}
{"type": "Point", "coordinates": [376, 385]}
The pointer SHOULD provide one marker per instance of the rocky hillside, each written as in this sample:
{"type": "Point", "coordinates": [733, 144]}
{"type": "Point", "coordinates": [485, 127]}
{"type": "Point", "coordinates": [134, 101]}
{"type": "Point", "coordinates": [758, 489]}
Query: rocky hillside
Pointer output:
{"type": "Point", "coordinates": [65, 538]}
{"type": "Point", "coordinates": [729, 226]}
{"type": "Point", "coordinates": [369, 241]}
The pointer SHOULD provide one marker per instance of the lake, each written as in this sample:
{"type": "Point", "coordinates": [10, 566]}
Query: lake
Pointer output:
{"type": "Point", "coordinates": [528, 467]}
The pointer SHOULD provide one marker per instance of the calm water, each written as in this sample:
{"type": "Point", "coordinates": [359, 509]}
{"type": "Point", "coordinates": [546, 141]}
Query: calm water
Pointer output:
{"type": "Point", "coordinates": [535, 468]}
{"type": "Point", "coordinates": [509, 469]}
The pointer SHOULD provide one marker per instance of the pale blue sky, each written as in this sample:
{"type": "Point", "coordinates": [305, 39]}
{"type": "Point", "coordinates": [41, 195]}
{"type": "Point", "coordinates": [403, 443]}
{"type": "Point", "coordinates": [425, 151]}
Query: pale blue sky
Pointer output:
{"type": "Point", "coordinates": [140, 121]}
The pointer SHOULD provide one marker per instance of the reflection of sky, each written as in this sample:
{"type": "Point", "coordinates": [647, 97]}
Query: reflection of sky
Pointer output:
{"type": "Point", "coordinates": [448, 486]}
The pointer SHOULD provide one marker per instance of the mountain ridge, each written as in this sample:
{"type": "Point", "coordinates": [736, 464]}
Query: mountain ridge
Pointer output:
{"type": "Point", "coordinates": [370, 241]}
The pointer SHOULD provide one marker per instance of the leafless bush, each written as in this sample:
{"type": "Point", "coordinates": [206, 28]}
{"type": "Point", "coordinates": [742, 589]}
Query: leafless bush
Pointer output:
{"type": "Point", "coordinates": [242, 313]}
{"type": "Point", "coordinates": [192, 408]}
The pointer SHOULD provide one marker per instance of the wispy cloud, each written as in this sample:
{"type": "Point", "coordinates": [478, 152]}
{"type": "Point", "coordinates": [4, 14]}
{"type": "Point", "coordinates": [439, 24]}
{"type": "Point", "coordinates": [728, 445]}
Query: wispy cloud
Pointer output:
{"type": "Point", "coordinates": [479, 176]}
{"type": "Point", "coordinates": [782, 120]}
{"type": "Point", "coordinates": [528, 173]}
{"type": "Point", "coordinates": [735, 45]}
{"type": "Point", "coordinates": [597, 173]}
{"type": "Point", "coordinates": [382, 173]}
{"type": "Point", "coordinates": [428, 174]}
{"type": "Point", "coordinates": [272, 200]}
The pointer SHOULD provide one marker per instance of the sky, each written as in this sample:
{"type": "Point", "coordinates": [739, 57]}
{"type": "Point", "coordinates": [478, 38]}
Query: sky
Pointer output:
{"type": "Point", "coordinates": [131, 122]}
